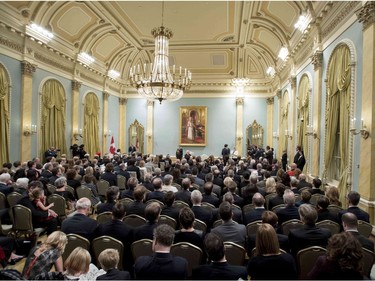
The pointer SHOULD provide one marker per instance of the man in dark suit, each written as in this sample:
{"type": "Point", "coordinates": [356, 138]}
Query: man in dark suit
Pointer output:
{"type": "Point", "coordinates": [133, 168]}
{"type": "Point", "coordinates": [152, 213]}
{"type": "Point", "coordinates": [161, 265]}
{"type": "Point", "coordinates": [109, 260]}
{"type": "Point", "coordinates": [120, 231]}
{"type": "Point", "coordinates": [302, 182]}
{"type": "Point", "coordinates": [201, 213]}
{"type": "Point", "coordinates": [353, 198]}
{"type": "Point", "coordinates": [122, 171]}
{"type": "Point", "coordinates": [237, 212]}
{"type": "Point", "coordinates": [238, 200]}
{"type": "Point", "coordinates": [309, 234]}
{"type": "Point", "coordinates": [218, 269]}
{"type": "Point", "coordinates": [80, 223]}
{"type": "Point", "coordinates": [256, 214]}
{"type": "Point", "coordinates": [157, 194]}
{"type": "Point", "coordinates": [323, 212]}
{"type": "Point", "coordinates": [108, 175]}
{"type": "Point", "coordinates": [290, 211]}
{"type": "Point", "coordinates": [147, 182]}
{"type": "Point", "coordinates": [184, 194]}
{"type": "Point", "coordinates": [278, 198]}
{"type": "Point", "coordinates": [316, 187]}
{"type": "Point", "coordinates": [208, 196]}
{"type": "Point", "coordinates": [299, 158]}
{"type": "Point", "coordinates": [249, 190]}
{"type": "Point", "coordinates": [137, 207]}
{"type": "Point", "coordinates": [350, 224]}
{"type": "Point", "coordinates": [129, 191]}
{"type": "Point", "coordinates": [168, 209]}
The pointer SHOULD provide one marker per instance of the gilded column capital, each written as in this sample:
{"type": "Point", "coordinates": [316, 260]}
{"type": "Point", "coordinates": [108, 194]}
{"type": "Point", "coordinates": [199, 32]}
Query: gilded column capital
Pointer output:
{"type": "Point", "coordinates": [270, 101]}
{"type": "Point", "coordinates": [293, 81]}
{"type": "Point", "coordinates": [317, 59]}
{"type": "Point", "coordinates": [28, 68]}
{"type": "Point", "coordinates": [76, 85]}
{"type": "Point", "coordinates": [239, 101]}
{"type": "Point", "coordinates": [278, 93]}
{"type": "Point", "coordinates": [150, 103]}
{"type": "Point", "coordinates": [366, 15]}
{"type": "Point", "coordinates": [122, 101]}
{"type": "Point", "coordinates": [105, 95]}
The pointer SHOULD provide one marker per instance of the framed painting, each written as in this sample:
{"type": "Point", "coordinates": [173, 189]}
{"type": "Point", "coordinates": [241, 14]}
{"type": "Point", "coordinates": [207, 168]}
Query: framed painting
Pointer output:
{"type": "Point", "coordinates": [193, 124]}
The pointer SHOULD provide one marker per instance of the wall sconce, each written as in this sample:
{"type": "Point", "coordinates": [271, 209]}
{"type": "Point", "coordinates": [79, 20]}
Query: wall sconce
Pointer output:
{"type": "Point", "coordinates": [107, 133]}
{"type": "Point", "coordinates": [311, 132]}
{"type": "Point", "coordinates": [288, 135]}
{"type": "Point", "coordinates": [77, 133]}
{"type": "Point", "coordinates": [276, 135]}
{"type": "Point", "coordinates": [363, 131]}
{"type": "Point", "coordinates": [29, 130]}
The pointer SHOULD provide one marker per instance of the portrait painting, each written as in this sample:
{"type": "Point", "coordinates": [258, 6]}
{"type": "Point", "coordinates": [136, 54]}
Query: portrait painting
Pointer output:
{"type": "Point", "coordinates": [193, 123]}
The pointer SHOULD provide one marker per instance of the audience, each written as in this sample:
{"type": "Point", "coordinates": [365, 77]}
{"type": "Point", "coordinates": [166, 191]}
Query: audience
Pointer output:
{"type": "Point", "coordinates": [137, 207]}
{"type": "Point", "coordinates": [112, 196]}
{"type": "Point", "coordinates": [256, 214]}
{"type": "Point", "coordinates": [187, 233]}
{"type": "Point", "coordinates": [290, 211]}
{"type": "Point", "coordinates": [350, 224]}
{"type": "Point", "coordinates": [109, 260]}
{"type": "Point", "coordinates": [201, 213]}
{"type": "Point", "coordinates": [323, 212]}
{"type": "Point", "coordinates": [353, 201]}
{"type": "Point", "coordinates": [146, 231]}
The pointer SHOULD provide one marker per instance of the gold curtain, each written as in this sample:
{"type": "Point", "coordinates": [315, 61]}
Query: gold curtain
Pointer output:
{"type": "Point", "coordinates": [53, 117]}
{"type": "Point", "coordinates": [283, 140]}
{"type": "Point", "coordinates": [91, 124]}
{"type": "Point", "coordinates": [303, 111]}
{"type": "Point", "coordinates": [338, 113]}
{"type": "Point", "coordinates": [4, 116]}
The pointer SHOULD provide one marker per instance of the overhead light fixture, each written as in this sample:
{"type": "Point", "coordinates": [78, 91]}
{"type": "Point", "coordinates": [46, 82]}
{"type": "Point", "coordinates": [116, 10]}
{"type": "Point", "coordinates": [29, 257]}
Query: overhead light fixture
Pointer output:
{"type": "Point", "coordinates": [302, 22]}
{"type": "Point", "coordinates": [85, 58]}
{"type": "Point", "coordinates": [39, 33]}
{"type": "Point", "coordinates": [283, 53]}
{"type": "Point", "coordinates": [270, 71]}
{"type": "Point", "coordinates": [113, 74]}
{"type": "Point", "coordinates": [156, 81]}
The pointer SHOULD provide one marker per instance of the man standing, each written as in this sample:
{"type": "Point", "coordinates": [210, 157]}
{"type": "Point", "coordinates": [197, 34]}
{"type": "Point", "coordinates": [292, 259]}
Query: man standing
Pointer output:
{"type": "Point", "coordinates": [225, 153]}
{"type": "Point", "coordinates": [299, 158]}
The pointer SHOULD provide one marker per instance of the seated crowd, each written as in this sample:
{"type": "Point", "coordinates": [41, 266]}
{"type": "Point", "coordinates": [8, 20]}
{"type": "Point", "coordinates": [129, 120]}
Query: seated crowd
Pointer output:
{"type": "Point", "coordinates": [269, 215]}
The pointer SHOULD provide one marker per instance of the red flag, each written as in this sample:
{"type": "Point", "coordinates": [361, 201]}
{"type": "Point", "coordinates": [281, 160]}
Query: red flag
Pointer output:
{"type": "Point", "coordinates": [112, 148]}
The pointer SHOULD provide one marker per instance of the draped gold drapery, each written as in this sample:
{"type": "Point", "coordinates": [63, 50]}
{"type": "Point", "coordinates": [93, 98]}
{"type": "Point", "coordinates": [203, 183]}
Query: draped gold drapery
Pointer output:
{"type": "Point", "coordinates": [338, 114]}
{"type": "Point", "coordinates": [52, 124]}
{"type": "Point", "coordinates": [91, 124]}
{"type": "Point", "coordinates": [303, 111]}
{"type": "Point", "coordinates": [283, 140]}
{"type": "Point", "coordinates": [4, 116]}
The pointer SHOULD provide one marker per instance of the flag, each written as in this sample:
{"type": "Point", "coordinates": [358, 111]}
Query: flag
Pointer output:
{"type": "Point", "coordinates": [112, 148]}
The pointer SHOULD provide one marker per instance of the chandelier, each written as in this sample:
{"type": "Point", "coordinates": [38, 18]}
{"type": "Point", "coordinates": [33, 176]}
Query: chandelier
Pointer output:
{"type": "Point", "coordinates": [156, 81]}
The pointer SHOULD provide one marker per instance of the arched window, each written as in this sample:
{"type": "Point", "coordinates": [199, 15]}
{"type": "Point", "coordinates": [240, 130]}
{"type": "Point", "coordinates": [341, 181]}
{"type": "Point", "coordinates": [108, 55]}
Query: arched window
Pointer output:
{"type": "Point", "coordinates": [4, 115]}
{"type": "Point", "coordinates": [53, 114]}
{"type": "Point", "coordinates": [91, 124]}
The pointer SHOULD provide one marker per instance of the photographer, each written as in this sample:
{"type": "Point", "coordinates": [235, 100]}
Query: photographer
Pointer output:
{"type": "Point", "coordinates": [51, 152]}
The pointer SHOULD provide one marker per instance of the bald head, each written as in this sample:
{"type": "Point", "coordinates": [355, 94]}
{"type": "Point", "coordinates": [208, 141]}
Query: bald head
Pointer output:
{"type": "Point", "coordinates": [349, 221]}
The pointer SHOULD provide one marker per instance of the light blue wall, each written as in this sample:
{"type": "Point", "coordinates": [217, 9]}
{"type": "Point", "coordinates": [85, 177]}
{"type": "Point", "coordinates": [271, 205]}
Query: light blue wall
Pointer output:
{"type": "Point", "coordinates": [113, 121]}
{"type": "Point", "coordinates": [136, 109]}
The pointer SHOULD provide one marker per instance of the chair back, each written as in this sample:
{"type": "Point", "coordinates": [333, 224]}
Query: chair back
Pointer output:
{"type": "Point", "coordinates": [267, 198]}
{"type": "Point", "coordinates": [247, 208]}
{"type": "Point", "coordinates": [364, 228]}
{"type": "Point", "coordinates": [208, 206]}
{"type": "Point", "coordinates": [74, 241]}
{"type": "Point", "coordinates": [315, 197]}
{"type": "Point", "coordinates": [70, 189]}
{"type": "Point", "coordinates": [104, 242]}
{"type": "Point", "coordinates": [180, 204]}
{"type": "Point", "coordinates": [368, 260]}
{"type": "Point", "coordinates": [126, 201]}
{"type": "Point", "coordinates": [121, 182]}
{"type": "Point", "coordinates": [59, 204]}
{"type": "Point", "coordinates": [190, 252]}
{"type": "Point", "coordinates": [252, 228]}
{"type": "Point", "coordinates": [254, 252]}
{"type": "Point", "coordinates": [134, 220]}
{"type": "Point", "coordinates": [162, 166]}
{"type": "Point", "coordinates": [234, 253]}
{"type": "Point", "coordinates": [217, 223]}
{"type": "Point", "coordinates": [22, 219]}
{"type": "Point", "coordinates": [164, 219]}
{"type": "Point", "coordinates": [176, 185]}
{"type": "Point", "coordinates": [278, 207]}
{"type": "Point", "coordinates": [132, 174]}
{"type": "Point", "coordinates": [13, 198]}
{"type": "Point", "coordinates": [290, 224]}
{"type": "Point", "coordinates": [306, 259]}
{"type": "Point", "coordinates": [104, 217]}
{"type": "Point", "coordinates": [333, 226]}
{"type": "Point", "coordinates": [334, 209]}
{"type": "Point", "coordinates": [102, 187]}
{"type": "Point", "coordinates": [200, 225]}
{"type": "Point", "coordinates": [304, 188]}
{"type": "Point", "coordinates": [140, 248]}
{"type": "Point", "coordinates": [51, 188]}
{"type": "Point", "coordinates": [84, 191]}
{"type": "Point", "coordinates": [155, 200]}
{"type": "Point", "coordinates": [3, 201]}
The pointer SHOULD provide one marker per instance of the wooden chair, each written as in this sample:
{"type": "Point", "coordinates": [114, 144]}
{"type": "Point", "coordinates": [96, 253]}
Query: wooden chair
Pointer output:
{"type": "Point", "coordinates": [208, 206]}
{"type": "Point", "coordinates": [70, 189]}
{"type": "Point", "coordinates": [368, 260]}
{"type": "Point", "coordinates": [74, 241]}
{"type": "Point", "coordinates": [3, 201]}
{"type": "Point", "coordinates": [304, 188]}
{"type": "Point", "coordinates": [104, 217]}
{"type": "Point", "coordinates": [132, 174]}
{"type": "Point", "coordinates": [267, 198]}
{"type": "Point", "coordinates": [234, 253]}
{"type": "Point", "coordinates": [121, 182]}
{"type": "Point", "coordinates": [306, 259]}
{"type": "Point", "coordinates": [155, 200]}
{"type": "Point", "coordinates": [364, 228]}
{"type": "Point", "coordinates": [51, 188]}
{"type": "Point", "coordinates": [278, 207]}
{"type": "Point", "coordinates": [200, 225]}
{"type": "Point", "coordinates": [334, 209]}
{"type": "Point", "coordinates": [59, 205]}
{"type": "Point", "coordinates": [176, 185]}
{"type": "Point", "coordinates": [162, 166]}
{"type": "Point", "coordinates": [217, 223]}
{"type": "Point", "coordinates": [84, 191]}
{"type": "Point", "coordinates": [140, 248]}
{"type": "Point", "coordinates": [13, 198]}
{"type": "Point", "coordinates": [290, 224]}
{"type": "Point", "coordinates": [126, 201]}
{"type": "Point", "coordinates": [334, 227]}
{"type": "Point", "coordinates": [134, 220]}
{"type": "Point", "coordinates": [180, 204]}
{"type": "Point", "coordinates": [104, 242]}
{"type": "Point", "coordinates": [247, 208]}
{"type": "Point", "coordinates": [315, 197]}
{"type": "Point", "coordinates": [164, 219]}
{"type": "Point", "coordinates": [190, 252]}
{"type": "Point", "coordinates": [102, 187]}
{"type": "Point", "coordinates": [252, 228]}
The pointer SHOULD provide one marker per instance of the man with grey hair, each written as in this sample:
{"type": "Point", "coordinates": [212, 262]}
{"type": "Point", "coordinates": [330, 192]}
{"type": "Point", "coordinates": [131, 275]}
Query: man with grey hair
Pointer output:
{"type": "Point", "coordinates": [302, 182]}
{"type": "Point", "coordinates": [201, 213]}
{"type": "Point", "coordinates": [237, 212]}
{"type": "Point", "coordinates": [290, 211]}
{"type": "Point", "coordinates": [147, 182]}
{"type": "Point", "coordinates": [80, 223]}
{"type": "Point", "coordinates": [5, 184]}
{"type": "Point", "coordinates": [167, 184]}
{"type": "Point", "coordinates": [161, 265]}
{"type": "Point", "coordinates": [122, 171]}
{"type": "Point", "coordinates": [256, 214]}
{"type": "Point", "coordinates": [157, 173]}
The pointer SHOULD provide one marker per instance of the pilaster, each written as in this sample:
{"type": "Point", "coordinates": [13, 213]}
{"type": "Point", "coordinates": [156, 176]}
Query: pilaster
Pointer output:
{"type": "Point", "coordinates": [76, 85]}
{"type": "Point", "coordinates": [270, 109]}
{"type": "Point", "coordinates": [122, 124]}
{"type": "Point", "coordinates": [239, 123]}
{"type": "Point", "coordinates": [292, 118]}
{"type": "Point", "coordinates": [105, 147]}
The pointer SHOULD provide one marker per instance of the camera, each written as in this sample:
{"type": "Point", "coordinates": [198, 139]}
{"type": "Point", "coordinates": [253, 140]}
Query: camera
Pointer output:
{"type": "Point", "coordinates": [58, 149]}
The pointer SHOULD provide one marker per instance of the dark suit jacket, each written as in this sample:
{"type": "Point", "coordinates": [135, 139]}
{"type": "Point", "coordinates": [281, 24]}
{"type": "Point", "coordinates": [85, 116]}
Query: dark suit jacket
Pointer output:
{"type": "Point", "coordinates": [361, 215]}
{"type": "Point", "coordinates": [105, 207]}
{"type": "Point", "coordinates": [128, 193]}
{"type": "Point", "coordinates": [123, 173]}
{"type": "Point", "coordinates": [115, 274]}
{"type": "Point", "coordinates": [316, 191]}
{"type": "Point", "coordinates": [172, 212]}
{"type": "Point", "coordinates": [253, 215]}
{"type": "Point", "coordinates": [308, 236]}
{"type": "Point", "coordinates": [149, 186]}
{"type": "Point", "coordinates": [287, 213]}
{"type": "Point", "coordinates": [5, 189]}
{"type": "Point", "coordinates": [219, 271]}
{"type": "Point", "coordinates": [274, 201]}
{"type": "Point", "coordinates": [158, 195]}
{"type": "Point", "coordinates": [203, 215]}
{"type": "Point", "coordinates": [137, 208]}
{"type": "Point", "coordinates": [365, 242]}
{"type": "Point", "coordinates": [145, 231]}
{"type": "Point", "coordinates": [232, 232]}
{"type": "Point", "coordinates": [161, 266]}
{"type": "Point", "coordinates": [184, 195]}
{"type": "Point", "coordinates": [327, 215]}
{"type": "Point", "coordinates": [303, 183]}
{"type": "Point", "coordinates": [212, 199]}
{"type": "Point", "coordinates": [238, 200]}
{"type": "Point", "coordinates": [248, 192]}
{"type": "Point", "coordinates": [81, 225]}
{"type": "Point", "coordinates": [109, 177]}
{"type": "Point", "coordinates": [133, 168]}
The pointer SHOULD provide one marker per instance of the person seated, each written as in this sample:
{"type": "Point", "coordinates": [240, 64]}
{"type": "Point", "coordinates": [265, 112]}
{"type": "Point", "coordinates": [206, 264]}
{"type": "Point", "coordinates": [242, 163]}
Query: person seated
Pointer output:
{"type": "Point", "coordinates": [323, 212]}
{"type": "Point", "coordinates": [161, 265]}
{"type": "Point", "coordinates": [237, 213]}
{"type": "Point", "coordinates": [184, 194]}
{"type": "Point", "coordinates": [129, 192]}
{"type": "Point", "coordinates": [137, 207]}
{"type": "Point", "coordinates": [290, 211]}
{"type": "Point", "coordinates": [278, 198]}
{"type": "Point", "coordinates": [316, 187]}
{"type": "Point", "coordinates": [350, 224]}
{"type": "Point", "coordinates": [167, 184]}
{"type": "Point", "coordinates": [353, 198]}
{"type": "Point", "coordinates": [208, 196]}
{"type": "Point", "coordinates": [112, 195]}
{"type": "Point", "coordinates": [109, 260]}
{"type": "Point", "coordinates": [152, 213]}
{"type": "Point", "coordinates": [168, 208]}
{"type": "Point", "coordinates": [6, 184]}
{"type": "Point", "coordinates": [309, 234]}
{"type": "Point", "coordinates": [269, 263]}
{"type": "Point", "coordinates": [219, 268]}
{"type": "Point", "coordinates": [232, 188]}
{"type": "Point", "coordinates": [256, 214]}
{"type": "Point", "coordinates": [342, 261]}
{"type": "Point", "coordinates": [187, 233]}
{"type": "Point", "coordinates": [108, 175]}
{"type": "Point", "coordinates": [302, 182]}
{"type": "Point", "coordinates": [157, 194]}
{"type": "Point", "coordinates": [201, 213]}
{"type": "Point", "coordinates": [333, 196]}
{"type": "Point", "coordinates": [305, 198]}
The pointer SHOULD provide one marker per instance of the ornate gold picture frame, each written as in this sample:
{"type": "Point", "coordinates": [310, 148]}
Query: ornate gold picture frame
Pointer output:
{"type": "Point", "coordinates": [193, 125]}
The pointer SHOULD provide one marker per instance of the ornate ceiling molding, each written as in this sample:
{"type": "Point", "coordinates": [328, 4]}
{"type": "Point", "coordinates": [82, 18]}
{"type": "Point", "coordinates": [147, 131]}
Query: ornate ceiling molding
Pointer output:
{"type": "Point", "coordinates": [366, 15]}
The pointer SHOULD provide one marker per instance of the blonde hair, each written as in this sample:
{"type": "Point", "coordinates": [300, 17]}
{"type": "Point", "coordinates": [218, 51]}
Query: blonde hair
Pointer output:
{"type": "Point", "coordinates": [333, 195]}
{"type": "Point", "coordinates": [266, 240]}
{"type": "Point", "coordinates": [56, 239]}
{"type": "Point", "coordinates": [78, 261]}
{"type": "Point", "coordinates": [109, 259]}
{"type": "Point", "coordinates": [270, 185]}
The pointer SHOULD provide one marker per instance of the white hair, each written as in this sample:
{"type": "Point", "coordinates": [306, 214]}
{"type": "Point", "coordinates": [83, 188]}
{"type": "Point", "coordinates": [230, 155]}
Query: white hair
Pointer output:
{"type": "Point", "coordinates": [4, 177]}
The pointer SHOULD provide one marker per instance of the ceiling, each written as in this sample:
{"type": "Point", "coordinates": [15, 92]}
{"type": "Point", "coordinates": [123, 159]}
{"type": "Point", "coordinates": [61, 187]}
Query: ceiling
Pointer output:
{"type": "Point", "coordinates": [216, 40]}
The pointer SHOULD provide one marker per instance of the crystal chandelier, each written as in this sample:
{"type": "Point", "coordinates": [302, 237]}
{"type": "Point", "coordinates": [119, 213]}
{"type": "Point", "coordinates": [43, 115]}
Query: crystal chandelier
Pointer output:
{"type": "Point", "coordinates": [156, 81]}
